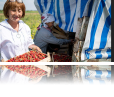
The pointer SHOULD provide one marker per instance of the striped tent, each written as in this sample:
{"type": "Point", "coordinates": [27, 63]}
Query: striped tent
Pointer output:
{"type": "Point", "coordinates": [96, 76]}
{"type": "Point", "coordinates": [66, 12]}
{"type": "Point", "coordinates": [97, 43]}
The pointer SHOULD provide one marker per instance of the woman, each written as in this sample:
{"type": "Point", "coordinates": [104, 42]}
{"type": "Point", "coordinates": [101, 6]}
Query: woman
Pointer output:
{"type": "Point", "coordinates": [15, 39]}
{"type": "Point", "coordinates": [15, 35]}
{"type": "Point", "coordinates": [44, 36]}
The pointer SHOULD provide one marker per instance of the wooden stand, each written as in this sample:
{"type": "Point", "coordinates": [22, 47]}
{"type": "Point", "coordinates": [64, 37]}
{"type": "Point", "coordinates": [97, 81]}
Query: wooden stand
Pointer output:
{"type": "Point", "coordinates": [48, 59]}
{"type": "Point", "coordinates": [60, 34]}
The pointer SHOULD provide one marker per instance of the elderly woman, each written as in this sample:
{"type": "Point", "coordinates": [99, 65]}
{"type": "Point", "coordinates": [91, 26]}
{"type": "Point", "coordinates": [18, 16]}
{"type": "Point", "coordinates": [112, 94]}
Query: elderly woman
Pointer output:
{"type": "Point", "coordinates": [15, 39]}
{"type": "Point", "coordinates": [15, 35]}
{"type": "Point", "coordinates": [44, 36]}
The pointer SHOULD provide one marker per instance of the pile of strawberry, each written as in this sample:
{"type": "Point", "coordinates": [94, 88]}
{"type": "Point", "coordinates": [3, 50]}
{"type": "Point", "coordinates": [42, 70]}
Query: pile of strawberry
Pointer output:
{"type": "Point", "coordinates": [30, 71]}
{"type": "Point", "coordinates": [31, 56]}
{"type": "Point", "coordinates": [62, 58]}
{"type": "Point", "coordinates": [62, 69]}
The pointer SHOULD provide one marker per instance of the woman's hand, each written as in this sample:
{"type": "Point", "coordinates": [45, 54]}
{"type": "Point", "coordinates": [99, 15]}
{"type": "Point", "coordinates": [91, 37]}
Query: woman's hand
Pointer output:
{"type": "Point", "coordinates": [35, 81]}
{"type": "Point", "coordinates": [72, 41]}
{"type": "Point", "coordinates": [35, 48]}
{"type": "Point", "coordinates": [38, 49]}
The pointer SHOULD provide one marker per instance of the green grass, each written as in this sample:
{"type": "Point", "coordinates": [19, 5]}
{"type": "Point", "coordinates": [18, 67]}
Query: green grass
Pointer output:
{"type": "Point", "coordinates": [31, 11]}
{"type": "Point", "coordinates": [1, 11]}
{"type": "Point", "coordinates": [2, 17]}
{"type": "Point", "coordinates": [32, 19]}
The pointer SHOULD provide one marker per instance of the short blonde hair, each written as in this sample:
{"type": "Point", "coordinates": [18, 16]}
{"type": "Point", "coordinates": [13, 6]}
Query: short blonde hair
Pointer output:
{"type": "Point", "coordinates": [11, 5]}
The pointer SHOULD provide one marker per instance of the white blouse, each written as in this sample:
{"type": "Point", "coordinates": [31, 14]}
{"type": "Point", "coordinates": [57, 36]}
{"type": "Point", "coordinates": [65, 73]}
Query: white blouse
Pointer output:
{"type": "Point", "coordinates": [13, 43]}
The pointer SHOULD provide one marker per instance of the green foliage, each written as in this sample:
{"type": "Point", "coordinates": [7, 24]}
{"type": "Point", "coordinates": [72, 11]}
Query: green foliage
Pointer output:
{"type": "Point", "coordinates": [32, 19]}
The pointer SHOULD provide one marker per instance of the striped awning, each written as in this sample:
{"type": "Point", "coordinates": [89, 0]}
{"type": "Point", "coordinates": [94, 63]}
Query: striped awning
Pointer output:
{"type": "Point", "coordinates": [97, 43]}
{"type": "Point", "coordinates": [66, 12]}
{"type": "Point", "coordinates": [96, 76]}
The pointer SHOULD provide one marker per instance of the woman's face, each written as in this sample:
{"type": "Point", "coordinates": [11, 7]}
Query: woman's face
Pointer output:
{"type": "Point", "coordinates": [50, 24]}
{"type": "Point", "coordinates": [15, 14]}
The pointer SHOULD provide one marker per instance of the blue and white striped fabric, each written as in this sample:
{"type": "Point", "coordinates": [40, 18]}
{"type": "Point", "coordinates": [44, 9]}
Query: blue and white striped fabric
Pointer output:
{"type": "Point", "coordinates": [66, 12]}
{"type": "Point", "coordinates": [98, 38]}
{"type": "Point", "coordinates": [96, 76]}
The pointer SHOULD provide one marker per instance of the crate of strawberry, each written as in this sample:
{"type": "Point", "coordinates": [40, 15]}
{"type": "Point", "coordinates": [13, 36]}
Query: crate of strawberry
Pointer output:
{"type": "Point", "coordinates": [30, 71]}
{"type": "Point", "coordinates": [61, 69]}
{"type": "Point", "coordinates": [61, 58]}
{"type": "Point", "coordinates": [31, 56]}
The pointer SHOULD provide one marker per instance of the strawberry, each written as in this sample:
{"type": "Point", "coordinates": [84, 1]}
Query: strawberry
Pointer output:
{"type": "Point", "coordinates": [62, 58]}
{"type": "Point", "coordinates": [31, 56]}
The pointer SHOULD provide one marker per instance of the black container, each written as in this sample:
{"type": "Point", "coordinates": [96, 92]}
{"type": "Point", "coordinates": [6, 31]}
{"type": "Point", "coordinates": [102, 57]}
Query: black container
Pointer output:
{"type": "Point", "coordinates": [53, 47]}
